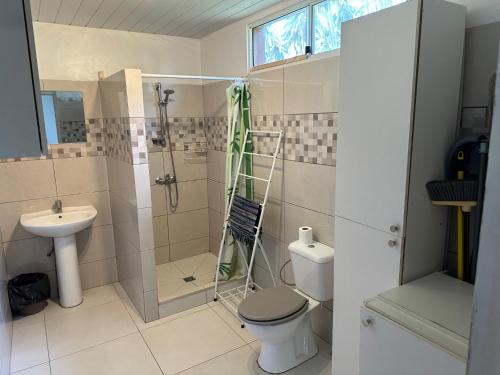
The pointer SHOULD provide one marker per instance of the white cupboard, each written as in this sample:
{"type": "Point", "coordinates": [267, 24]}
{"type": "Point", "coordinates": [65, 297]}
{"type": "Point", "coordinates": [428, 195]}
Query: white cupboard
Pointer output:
{"type": "Point", "coordinates": [420, 328]}
{"type": "Point", "coordinates": [399, 97]}
{"type": "Point", "coordinates": [388, 349]}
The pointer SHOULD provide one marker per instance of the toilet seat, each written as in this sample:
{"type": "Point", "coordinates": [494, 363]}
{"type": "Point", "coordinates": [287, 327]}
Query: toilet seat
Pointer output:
{"type": "Point", "coordinates": [272, 306]}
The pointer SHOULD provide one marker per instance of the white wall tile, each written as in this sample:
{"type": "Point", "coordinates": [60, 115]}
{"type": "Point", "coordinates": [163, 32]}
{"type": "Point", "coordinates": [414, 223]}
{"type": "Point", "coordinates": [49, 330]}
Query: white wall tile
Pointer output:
{"type": "Point", "coordinates": [98, 273]}
{"type": "Point", "coordinates": [185, 226]}
{"type": "Point", "coordinates": [26, 180]}
{"type": "Point", "coordinates": [95, 243]}
{"type": "Point", "coordinates": [99, 199]}
{"type": "Point", "coordinates": [81, 175]}
{"type": "Point", "coordinates": [10, 214]}
{"type": "Point", "coordinates": [318, 196]}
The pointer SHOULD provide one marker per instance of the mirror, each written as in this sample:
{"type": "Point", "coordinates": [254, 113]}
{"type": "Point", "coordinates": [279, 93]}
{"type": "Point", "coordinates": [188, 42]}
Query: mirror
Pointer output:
{"type": "Point", "coordinates": [64, 117]}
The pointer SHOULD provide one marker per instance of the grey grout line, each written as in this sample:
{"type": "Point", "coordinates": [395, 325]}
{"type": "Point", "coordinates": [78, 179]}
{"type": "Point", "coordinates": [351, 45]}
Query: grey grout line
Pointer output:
{"type": "Point", "coordinates": [92, 346]}
{"type": "Point", "coordinates": [47, 341]}
{"type": "Point", "coordinates": [139, 331]}
{"type": "Point", "coordinates": [211, 359]}
{"type": "Point", "coordinates": [150, 351]}
{"type": "Point", "coordinates": [227, 323]}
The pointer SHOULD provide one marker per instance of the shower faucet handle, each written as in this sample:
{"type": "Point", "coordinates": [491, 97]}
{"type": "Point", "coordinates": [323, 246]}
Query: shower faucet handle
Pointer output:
{"type": "Point", "coordinates": [167, 180]}
{"type": "Point", "coordinates": [170, 179]}
{"type": "Point", "coordinates": [160, 181]}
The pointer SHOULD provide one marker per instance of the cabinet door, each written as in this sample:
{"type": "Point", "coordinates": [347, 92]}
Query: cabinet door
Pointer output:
{"type": "Point", "coordinates": [365, 265]}
{"type": "Point", "coordinates": [388, 349]}
{"type": "Point", "coordinates": [19, 123]}
{"type": "Point", "coordinates": [375, 106]}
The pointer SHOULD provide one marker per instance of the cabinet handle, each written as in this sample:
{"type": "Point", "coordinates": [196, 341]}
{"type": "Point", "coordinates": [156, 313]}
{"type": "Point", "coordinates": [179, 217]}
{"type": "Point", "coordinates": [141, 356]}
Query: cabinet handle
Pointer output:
{"type": "Point", "coordinates": [366, 322]}
{"type": "Point", "coordinates": [392, 243]}
{"type": "Point", "coordinates": [394, 228]}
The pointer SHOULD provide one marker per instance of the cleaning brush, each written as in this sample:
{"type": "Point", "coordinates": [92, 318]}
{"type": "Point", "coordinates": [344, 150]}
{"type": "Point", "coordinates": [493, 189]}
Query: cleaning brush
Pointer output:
{"type": "Point", "coordinates": [455, 190]}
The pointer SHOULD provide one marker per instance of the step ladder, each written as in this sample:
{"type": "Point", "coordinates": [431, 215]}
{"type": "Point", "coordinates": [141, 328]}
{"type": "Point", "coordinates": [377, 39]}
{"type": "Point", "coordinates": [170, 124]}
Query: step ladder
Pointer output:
{"type": "Point", "coordinates": [231, 298]}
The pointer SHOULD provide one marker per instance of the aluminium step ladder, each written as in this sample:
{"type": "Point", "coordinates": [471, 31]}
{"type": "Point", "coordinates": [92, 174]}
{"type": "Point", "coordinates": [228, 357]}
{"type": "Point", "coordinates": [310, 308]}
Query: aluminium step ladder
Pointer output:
{"type": "Point", "coordinates": [231, 298]}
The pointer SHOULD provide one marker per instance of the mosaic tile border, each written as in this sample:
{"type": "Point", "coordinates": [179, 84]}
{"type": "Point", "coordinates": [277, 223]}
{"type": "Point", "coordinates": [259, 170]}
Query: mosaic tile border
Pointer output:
{"type": "Point", "coordinates": [118, 141]}
{"type": "Point", "coordinates": [216, 133]}
{"type": "Point", "coordinates": [95, 145]}
{"type": "Point", "coordinates": [187, 134]}
{"type": "Point", "coordinates": [138, 140]}
{"type": "Point", "coordinates": [310, 138]}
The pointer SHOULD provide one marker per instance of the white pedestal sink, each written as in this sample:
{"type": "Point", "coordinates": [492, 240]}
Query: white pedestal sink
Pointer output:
{"type": "Point", "coordinates": [63, 227]}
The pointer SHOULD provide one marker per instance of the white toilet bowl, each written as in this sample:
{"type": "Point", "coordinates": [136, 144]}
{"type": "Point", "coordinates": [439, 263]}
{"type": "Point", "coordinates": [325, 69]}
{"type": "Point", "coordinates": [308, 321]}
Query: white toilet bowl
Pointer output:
{"type": "Point", "coordinates": [280, 318]}
{"type": "Point", "coordinates": [285, 342]}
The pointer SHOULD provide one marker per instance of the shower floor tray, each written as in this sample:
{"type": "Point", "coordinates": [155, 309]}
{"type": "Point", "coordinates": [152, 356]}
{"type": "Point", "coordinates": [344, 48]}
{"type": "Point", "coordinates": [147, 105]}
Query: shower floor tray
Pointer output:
{"type": "Point", "coordinates": [187, 283]}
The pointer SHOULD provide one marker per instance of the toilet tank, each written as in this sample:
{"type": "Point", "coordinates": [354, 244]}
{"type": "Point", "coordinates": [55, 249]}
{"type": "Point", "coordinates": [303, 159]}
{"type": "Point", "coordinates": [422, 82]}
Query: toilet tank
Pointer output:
{"type": "Point", "coordinates": [313, 269]}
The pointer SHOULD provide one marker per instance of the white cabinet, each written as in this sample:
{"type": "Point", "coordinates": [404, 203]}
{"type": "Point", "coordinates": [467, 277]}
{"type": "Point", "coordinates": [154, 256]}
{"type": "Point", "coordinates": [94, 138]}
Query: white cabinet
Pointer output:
{"type": "Point", "coordinates": [420, 328]}
{"type": "Point", "coordinates": [388, 349]}
{"type": "Point", "coordinates": [21, 123]}
{"type": "Point", "coordinates": [369, 265]}
{"type": "Point", "coordinates": [399, 98]}
{"type": "Point", "coordinates": [376, 88]}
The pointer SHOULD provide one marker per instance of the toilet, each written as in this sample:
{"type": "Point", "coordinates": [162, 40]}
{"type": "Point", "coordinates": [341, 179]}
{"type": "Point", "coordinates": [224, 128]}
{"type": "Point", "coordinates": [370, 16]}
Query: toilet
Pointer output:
{"type": "Point", "coordinates": [280, 317]}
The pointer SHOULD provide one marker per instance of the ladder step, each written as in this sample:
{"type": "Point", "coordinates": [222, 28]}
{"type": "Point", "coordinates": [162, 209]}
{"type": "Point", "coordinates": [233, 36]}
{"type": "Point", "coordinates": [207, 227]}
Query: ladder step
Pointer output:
{"type": "Point", "coordinates": [262, 155]}
{"type": "Point", "coordinates": [254, 178]}
{"type": "Point", "coordinates": [263, 132]}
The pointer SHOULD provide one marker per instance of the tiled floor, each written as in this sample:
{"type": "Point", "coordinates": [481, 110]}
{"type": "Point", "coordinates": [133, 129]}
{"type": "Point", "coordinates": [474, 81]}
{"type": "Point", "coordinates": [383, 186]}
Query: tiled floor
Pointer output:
{"type": "Point", "coordinates": [105, 335]}
{"type": "Point", "coordinates": [170, 276]}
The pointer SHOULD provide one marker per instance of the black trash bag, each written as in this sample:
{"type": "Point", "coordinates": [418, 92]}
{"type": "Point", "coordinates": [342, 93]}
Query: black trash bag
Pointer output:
{"type": "Point", "coordinates": [28, 293]}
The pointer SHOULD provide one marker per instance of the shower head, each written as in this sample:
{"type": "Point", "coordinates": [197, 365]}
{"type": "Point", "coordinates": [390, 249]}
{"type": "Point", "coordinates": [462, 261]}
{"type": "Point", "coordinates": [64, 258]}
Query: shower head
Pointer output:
{"type": "Point", "coordinates": [167, 93]}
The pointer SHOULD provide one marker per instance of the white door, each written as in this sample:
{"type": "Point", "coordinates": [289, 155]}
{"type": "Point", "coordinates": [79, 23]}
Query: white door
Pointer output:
{"type": "Point", "coordinates": [366, 264]}
{"type": "Point", "coordinates": [388, 349]}
{"type": "Point", "coordinates": [375, 105]}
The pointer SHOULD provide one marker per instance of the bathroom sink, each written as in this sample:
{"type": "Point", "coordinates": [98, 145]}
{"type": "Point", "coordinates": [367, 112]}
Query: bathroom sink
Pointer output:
{"type": "Point", "coordinates": [62, 227]}
{"type": "Point", "coordinates": [49, 224]}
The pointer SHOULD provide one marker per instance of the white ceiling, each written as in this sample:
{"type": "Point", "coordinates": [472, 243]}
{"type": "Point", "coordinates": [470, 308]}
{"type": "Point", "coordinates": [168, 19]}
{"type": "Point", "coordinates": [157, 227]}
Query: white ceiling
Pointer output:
{"type": "Point", "coordinates": [186, 18]}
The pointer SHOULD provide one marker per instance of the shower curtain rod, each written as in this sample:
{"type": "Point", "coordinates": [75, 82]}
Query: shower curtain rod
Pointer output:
{"type": "Point", "coordinates": [208, 78]}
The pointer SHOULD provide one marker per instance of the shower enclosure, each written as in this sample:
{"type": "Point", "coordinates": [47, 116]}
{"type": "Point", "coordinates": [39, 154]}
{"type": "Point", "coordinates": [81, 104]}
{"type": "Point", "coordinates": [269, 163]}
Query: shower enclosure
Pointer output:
{"type": "Point", "coordinates": [176, 135]}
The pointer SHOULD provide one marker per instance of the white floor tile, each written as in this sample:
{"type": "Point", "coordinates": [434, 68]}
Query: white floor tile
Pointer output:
{"type": "Point", "coordinates": [29, 346]}
{"type": "Point", "coordinates": [20, 321]}
{"type": "Point", "coordinates": [70, 333]}
{"type": "Point", "coordinates": [168, 272]}
{"type": "Point", "coordinates": [175, 288]}
{"type": "Point", "coordinates": [125, 356]}
{"type": "Point", "coordinates": [138, 320]}
{"type": "Point", "coordinates": [197, 265]}
{"type": "Point", "coordinates": [242, 361]}
{"type": "Point", "coordinates": [232, 321]}
{"type": "Point", "coordinates": [190, 340]}
{"type": "Point", "coordinates": [91, 297]}
{"type": "Point", "coordinates": [37, 370]}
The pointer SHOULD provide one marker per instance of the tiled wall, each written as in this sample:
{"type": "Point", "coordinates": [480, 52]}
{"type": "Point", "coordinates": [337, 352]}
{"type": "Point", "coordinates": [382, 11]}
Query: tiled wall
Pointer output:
{"type": "Point", "coordinates": [5, 319]}
{"type": "Point", "coordinates": [183, 233]}
{"type": "Point", "coordinates": [301, 100]}
{"type": "Point", "coordinates": [129, 190]}
{"type": "Point", "coordinates": [76, 174]}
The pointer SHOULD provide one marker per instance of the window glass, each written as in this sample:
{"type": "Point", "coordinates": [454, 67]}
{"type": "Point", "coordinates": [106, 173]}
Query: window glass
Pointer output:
{"type": "Point", "coordinates": [281, 38]}
{"type": "Point", "coordinates": [328, 16]}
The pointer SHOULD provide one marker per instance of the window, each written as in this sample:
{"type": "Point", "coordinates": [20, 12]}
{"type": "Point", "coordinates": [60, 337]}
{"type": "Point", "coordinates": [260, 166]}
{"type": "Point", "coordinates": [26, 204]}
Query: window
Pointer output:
{"type": "Point", "coordinates": [281, 38]}
{"type": "Point", "coordinates": [316, 24]}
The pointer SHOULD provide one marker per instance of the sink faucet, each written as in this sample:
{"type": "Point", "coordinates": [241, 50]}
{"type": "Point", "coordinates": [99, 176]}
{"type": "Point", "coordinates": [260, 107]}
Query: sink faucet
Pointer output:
{"type": "Point", "coordinates": [57, 206]}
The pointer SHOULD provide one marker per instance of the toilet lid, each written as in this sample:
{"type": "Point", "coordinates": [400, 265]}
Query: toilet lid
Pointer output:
{"type": "Point", "coordinates": [272, 304]}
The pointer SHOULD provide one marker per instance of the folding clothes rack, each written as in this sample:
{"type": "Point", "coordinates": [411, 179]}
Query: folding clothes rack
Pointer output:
{"type": "Point", "coordinates": [231, 298]}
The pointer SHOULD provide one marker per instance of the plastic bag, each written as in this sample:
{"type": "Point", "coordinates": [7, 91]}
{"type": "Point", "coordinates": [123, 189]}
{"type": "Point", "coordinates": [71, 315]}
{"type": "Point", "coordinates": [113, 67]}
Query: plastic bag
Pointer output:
{"type": "Point", "coordinates": [28, 293]}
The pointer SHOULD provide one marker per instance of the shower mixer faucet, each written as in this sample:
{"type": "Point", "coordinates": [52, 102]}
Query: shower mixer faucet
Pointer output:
{"type": "Point", "coordinates": [167, 180]}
